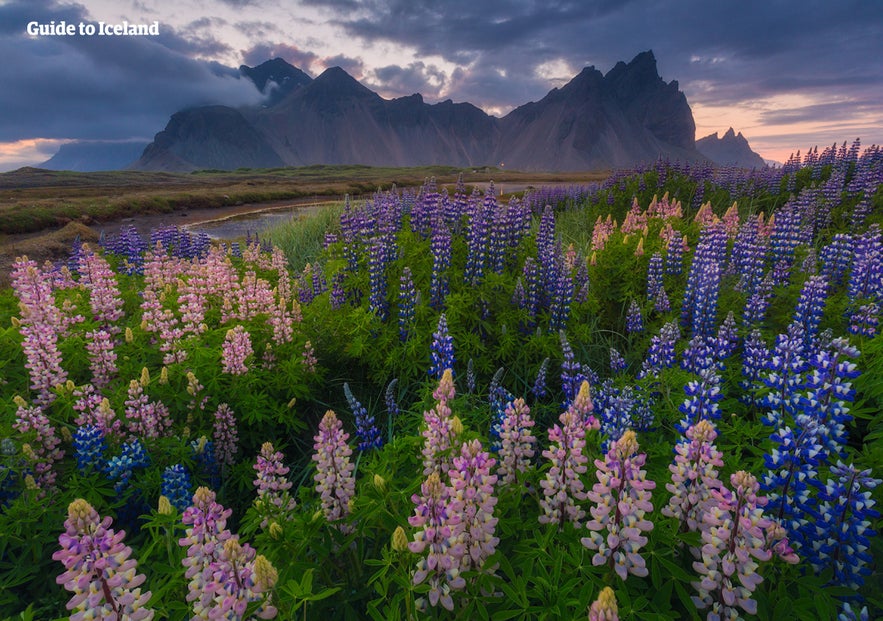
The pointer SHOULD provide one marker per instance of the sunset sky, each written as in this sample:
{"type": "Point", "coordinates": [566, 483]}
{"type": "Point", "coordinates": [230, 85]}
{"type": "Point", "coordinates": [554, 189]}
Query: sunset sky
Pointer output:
{"type": "Point", "coordinates": [787, 74]}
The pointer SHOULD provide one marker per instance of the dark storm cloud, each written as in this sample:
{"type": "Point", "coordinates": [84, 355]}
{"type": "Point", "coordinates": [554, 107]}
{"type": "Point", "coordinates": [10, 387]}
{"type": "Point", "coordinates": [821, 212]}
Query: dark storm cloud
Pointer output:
{"type": "Point", "coordinates": [417, 77]}
{"type": "Point", "coordinates": [262, 52]}
{"type": "Point", "coordinates": [721, 53]}
{"type": "Point", "coordinates": [102, 87]}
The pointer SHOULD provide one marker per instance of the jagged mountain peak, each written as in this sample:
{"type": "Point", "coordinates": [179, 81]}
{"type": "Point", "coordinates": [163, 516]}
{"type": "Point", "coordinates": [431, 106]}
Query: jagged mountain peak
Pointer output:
{"type": "Point", "coordinates": [731, 149]}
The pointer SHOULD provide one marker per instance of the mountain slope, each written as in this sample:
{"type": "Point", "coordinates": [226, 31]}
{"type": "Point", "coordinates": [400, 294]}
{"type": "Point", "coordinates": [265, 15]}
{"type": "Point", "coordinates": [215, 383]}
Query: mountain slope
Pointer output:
{"type": "Point", "coordinates": [730, 150]}
{"type": "Point", "coordinates": [628, 116]}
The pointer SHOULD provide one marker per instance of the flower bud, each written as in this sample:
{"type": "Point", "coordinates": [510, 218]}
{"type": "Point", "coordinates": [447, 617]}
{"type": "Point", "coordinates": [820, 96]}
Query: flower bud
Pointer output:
{"type": "Point", "coordinates": [165, 507]}
{"type": "Point", "coordinates": [399, 539]}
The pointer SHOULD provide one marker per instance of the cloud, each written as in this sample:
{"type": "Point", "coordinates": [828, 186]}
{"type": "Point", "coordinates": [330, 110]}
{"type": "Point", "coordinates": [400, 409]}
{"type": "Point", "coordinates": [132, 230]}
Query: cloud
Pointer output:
{"type": "Point", "coordinates": [417, 77]}
{"type": "Point", "coordinates": [102, 87]}
{"type": "Point", "coordinates": [263, 52]}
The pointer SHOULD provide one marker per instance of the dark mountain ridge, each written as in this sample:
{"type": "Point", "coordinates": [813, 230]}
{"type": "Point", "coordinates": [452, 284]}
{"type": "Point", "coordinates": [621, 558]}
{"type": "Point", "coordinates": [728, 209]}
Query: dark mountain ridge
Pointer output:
{"type": "Point", "coordinates": [596, 121]}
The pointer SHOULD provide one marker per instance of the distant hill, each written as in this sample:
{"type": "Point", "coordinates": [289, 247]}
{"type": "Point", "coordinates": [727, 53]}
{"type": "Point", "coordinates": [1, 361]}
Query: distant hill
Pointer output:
{"type": "Point", "coordinates": [91, 155]}
{"type": "Point", "coordinates": [596, 121]}
{"type": "Point", "coordinates": [731, 149]}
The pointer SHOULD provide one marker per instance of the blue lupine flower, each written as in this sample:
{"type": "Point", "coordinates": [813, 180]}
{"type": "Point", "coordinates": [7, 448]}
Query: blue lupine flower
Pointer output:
{"type": "Point", "coordinates": [539, 385]}
{"type": "Point", "coordinates": [654, 276]}
{"type": "Point", "coordinates": [407, 301]}
{"type": "Point", "coordinates": [500, 399]}
{"type": "Point", "coordinates": [392, 408]}
{"type": "Point", "coordinates": [366, 429]}
{"type": "Point", "coordinates": [786, 366]}
{"type": "Point", "coordinates": [839, 537]}
{"type": "Point", "coordinates": [119, 469]}
{"type": "Point", "coordinates": [441, 350]}
{"type": "Point", "coordinates": [136, 453]}
{"type": "Point", "coordinates": [810, 307]}
{"type": "Point", "coordinates": [702, 399]}
{"type": "Point", "coordinates": [440, 246]}
{"type": "Point", "coordinates": [617, 362]}
{"type": "Point", "coordinates": [176, 486]}
{"type": "Point", "coordinates": [377, 278]}
{"type": "Point", "coordinates": [89, 447]}
{"type": "Point", "coordinates": [661, 353]}
{"type": "Point", "coordinates": [572, 375]}
{"type": "Point", "coordinates": [634, 320]}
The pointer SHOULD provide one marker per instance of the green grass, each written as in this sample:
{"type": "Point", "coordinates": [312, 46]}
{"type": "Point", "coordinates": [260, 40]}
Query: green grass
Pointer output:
{"type": "Point", "coordinates": [301, 238]}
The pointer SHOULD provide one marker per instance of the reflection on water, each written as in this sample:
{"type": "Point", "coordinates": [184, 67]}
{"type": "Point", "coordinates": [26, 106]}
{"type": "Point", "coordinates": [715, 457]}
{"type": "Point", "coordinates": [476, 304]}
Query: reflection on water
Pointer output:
{"type": "Point", "coordinates": [255, 223]}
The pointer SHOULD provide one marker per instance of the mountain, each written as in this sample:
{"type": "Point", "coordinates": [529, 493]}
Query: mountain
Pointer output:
{"type": "Point", "coordinates": [628, 116]}
{"type": "Point", "coordinates": [91, 155]}
{"type": "Point", "coordinates": [275, 78]}
{"type": "Point", "coordinates": [730, 150]}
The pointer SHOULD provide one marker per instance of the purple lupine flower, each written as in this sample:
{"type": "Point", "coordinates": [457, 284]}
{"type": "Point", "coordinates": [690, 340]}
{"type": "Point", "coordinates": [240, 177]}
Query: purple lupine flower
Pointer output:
{"type": "Point", "coordinates": [654, 276]}
{"type": "Point", "coordinates": [661, 303]}
{"type": "Point", "coordinates": [634, 320]}
{"type": "Point", "coordinates": [539, 385]}
{"type": "Point", "coordinates": [441, 350]}
{"type": "Point", "coordinates": [337, 297]}
{"type": "Point", "coordinates": [366, 429]}
{"type": "Point", "coordinates": [532, 290]}
{"type": "Point", "coordinates": [334, 478]}
{"type": "Point", "coordinates": [785, 376]}
{"type": "Point", "coordinates": [176, 486]}
{"type": "Point", "coordinates": [865, 320]}
{"type": "Point", "coordinates": [377, 303]}
{"type": "Point", "coordinates": [392, 408]}
{"type": "Point", "coordinates": [562, 486]}
{"type": "Point", "coordinates": [661, 353]}
{"type": "Point", "coordinates": [622, 498]}
{"type": "Point", "coordinates": [758, 302]}
{"type": "Point", "coordinates": [407, 301]}
{"type": "Point", "coordinates": [104, 294]}
{"type": "Point", "coordinates": [694, 474]}
{"type": "Point", "coordinates": [810, 307]}
{"type": "Point", "coordinates": [829, 391]}
{"type": "Point", "coordinates": [470, 376]}
{"type": "Point", "coordinates": [617, 362]}
{"type": "Point", "coordinates": [727, 337]}
{"type": "Point", "coordinates": [145, 418]}
{"type": "Point", "coordinates": [273, 487]}
{"type": "Point", "coordinates": [225, 436]}
{"type": "Point", "coordinates": [435, 520]}
{"type": "Point", "coordinates": [98, 568]}
{"type": "Point", "coordinates": [699, 309]}
{"type": "Point", "coordinates": [235, 351]}
{"type": "Point", "coordinates": [702, 399]}
{"type": "Point", "coordinates": [472, 500]}
{"type": "Point", "coordinates": [674, 256]}
{"type": "Point", "coordinates": [839, 534]}
{"type": "Point", "coordinates": [754, 361]}
{"type": "Point", "coordinates": [571, 370]}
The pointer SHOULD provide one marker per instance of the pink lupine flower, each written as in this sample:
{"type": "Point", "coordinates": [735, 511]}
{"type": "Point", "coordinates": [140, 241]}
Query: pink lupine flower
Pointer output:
{"type": "Point", "coordinates": [622, 498]}
{"type": "Point", "coordinates": [308, 358]}
{"type": "Point", "coordinates": [334, 479]}
{"type": "Point", "coordinates": [734, 541]}
{"type": "Point", "coordinates": [41, 324]}
{"type": "Point", "coordinates": [694, 475]}
{"type": "Point", "coordinates": [254, 297]}
{"type": "Point", "coordinates": [94, 409]}
{"type": "Point", "coordinates": [438, 433]}
{"type": "Point", "coordinates": [237, 582]}
{"type": "Point", "coordinates": [104, 294]}
{"type": "Point", "coordinates": [516, 441]}
{"type": "Point", "coordinates": [282, 322]}
{"type": "Point", "coordinates": [604, 608]}
{"type": "Point", "coordinates": [472, 500]}
{"type": "Point", "coordinates": [562, 487]}
{"type": "Point", "coordinates": [98, 570]}
{"type": "Point", "coordinates": [440, 565]}
{"type": "Point", "coordinates": [206, 531]}
{"type": "Point", "coordinates": [225, 436]}
{"type": "Point", "coordinates": [236, 349]}
{"type": "Point", "coordinates": [272, 485]}
{"type": "Point", "coordinates": [192, 299]}
{"type": "Point", "coordinates": [279, 264]}
{"type": "Point", "coordinates": [102, 358]}
{"type": "Point", "coordinates": [731, 220]}
{"type": "Point", "coordinates": [145, 418]}
{"type": "Point", "coordinates": [42, 451]}
{"type": "Point", "coordinates": [582, 406]}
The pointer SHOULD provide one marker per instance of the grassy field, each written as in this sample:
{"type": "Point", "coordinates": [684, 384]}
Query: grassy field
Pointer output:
{"type": "Point", "coordinates": [34, 199]}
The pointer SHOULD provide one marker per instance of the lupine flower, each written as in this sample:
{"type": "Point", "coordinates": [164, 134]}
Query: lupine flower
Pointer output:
{"type": "Point", "coordinates": [634, 321]}
{"type": "Point", "coordinates": [223, 577]}
{"type": "Point", "coordinates": [102, 359]}
{"type": "Point", "coordinates": [272, 485]}
{"type": "Point", "coordinates": [516, 441]}
{"type": "Point", "coordinates": [694, 474]}
{"type": "Point", "coordinates": [308, 358]}
{"type": "Point", "coordinates": [176, 486]}
{"type": "Point", "coordinates": [104, 294]}
{"type": "Point", "coordinates": [407, 299]}
{"type": "Point", "coordinates": [392, 408]}
{"type": "Point", "coordinates": [810, 307]}
{"type": "Point", "coordinates": [89, 447]}
{"type": "Point", "coordinates": [622, 498]}
{"type": "Point", "coordinates": [441, 350]}
{"type": "Point", "coordinates": [470, 376]}
{"type": "Point", "coordinates": [604, 608]}
{"type": "Point", "coordinates": [94, 409]}
{"type": "Point", "coordinates": [539, 385]}
{"type": "Point", "coordinates": [571, 370]}
{"type": "Point", "coordinates": [786, 367]}
{"type": "Point", "coordinates": [235, 351]}
{"type": "Point", "coordinates": [334, 479]}
{"type": "Point", "coordinates": [438, 433]}
{"type": "Point", "coordinates": [848, 614]}
{"type": "Point", "coordinates": [838, 538]}
{"type": "Point", "coordinates": [654, 276]}
{"type": "Point", "coordinates": [98, 570]}
{"type": "Point", "coordinates": [865, 320]}
{"type": "Point", "coordinates": [674, 261]}
{"type": "Point", "coordinates": [661, 353]}
{"type": "Point", "coordinates": [377, 278]}
{"type": "Point", "coordinates": [617, 362]}
{"type": "Point", "coordinates": [366, 429]}
{"type": "Point", "coordinates": [702, 399]}
{"type": "Point", "coordinates": [43, 450]}
{"type": "Point", "coordinates": [203, 452]}
{"type": "Point", "coordinates": [733, 543]}
{"type": "Point", "coordinates": [145, 418]}
{"type": "Point", "coordinates": [472, 500]}
{"type": "Point", "coordinates": [562, 486]}
{"type": "Point", "coordinates": [440, 247]}
{"type": "Point", "coordinates": [436, 521]}
{"type": "Point", "coordinates": [727, 337]}
{"type": "Point", "coordinates": [225, 436]}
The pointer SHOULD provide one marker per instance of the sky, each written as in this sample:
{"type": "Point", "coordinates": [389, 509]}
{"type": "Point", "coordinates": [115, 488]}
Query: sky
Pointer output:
{"type": "Point", "coordinates": [788, 74]}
